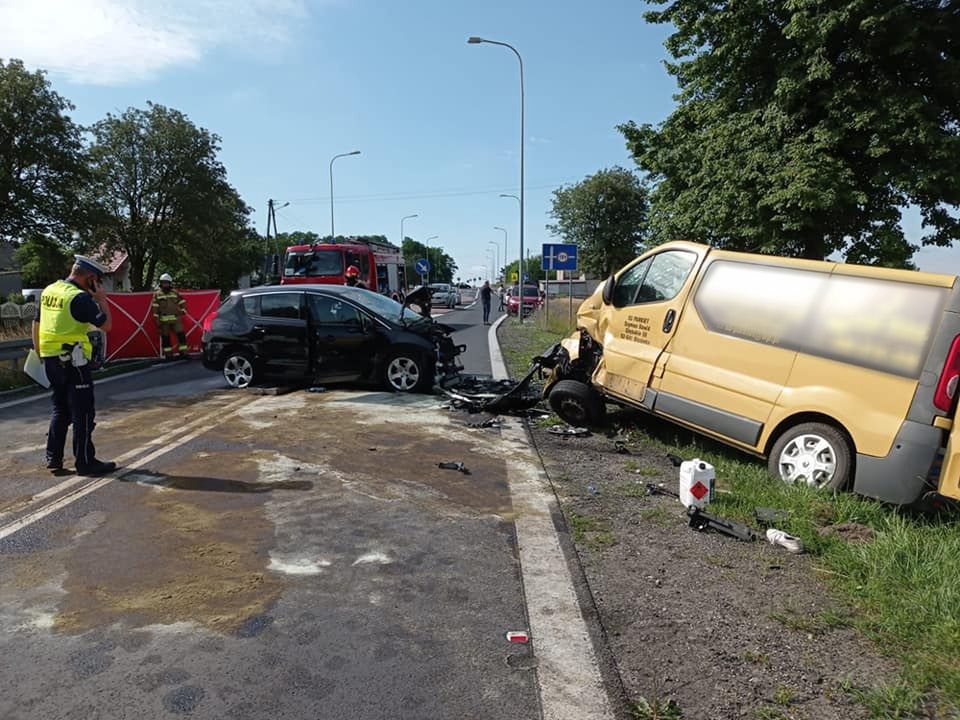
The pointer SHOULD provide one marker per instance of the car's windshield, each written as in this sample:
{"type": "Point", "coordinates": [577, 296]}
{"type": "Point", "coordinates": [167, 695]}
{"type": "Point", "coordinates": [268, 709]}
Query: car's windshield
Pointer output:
{"type": "Point", "coordinates": [314, 263]}
{"type": "Point", "coordinates": [382, 305]}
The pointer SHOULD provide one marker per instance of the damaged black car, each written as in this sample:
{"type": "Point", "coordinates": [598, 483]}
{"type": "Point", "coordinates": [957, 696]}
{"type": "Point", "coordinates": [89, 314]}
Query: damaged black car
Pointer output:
{"type": "Point", "coordinates": [329, 334]}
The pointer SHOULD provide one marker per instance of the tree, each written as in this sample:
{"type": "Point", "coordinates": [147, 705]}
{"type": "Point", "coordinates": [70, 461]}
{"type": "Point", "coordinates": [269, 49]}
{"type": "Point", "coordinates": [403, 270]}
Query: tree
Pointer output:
{"type": "Point", "coordinates": [605, 215]}
{"type": "Point", "coordinates": [41, 156]}
{"type": "Point", "coordinates": [160, 194]}
{"type": "Point", "coordinates": [42, 260]}
{"type": "Point", "coordinates": [533, 268]}
{"type": "Point", "coordinates": [442, 266]}
{"type": "Point", "coordinates": [805, 127]}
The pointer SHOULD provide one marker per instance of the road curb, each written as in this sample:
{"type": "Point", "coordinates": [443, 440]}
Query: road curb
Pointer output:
{"type": "Point", "coordinates": [569, 679]}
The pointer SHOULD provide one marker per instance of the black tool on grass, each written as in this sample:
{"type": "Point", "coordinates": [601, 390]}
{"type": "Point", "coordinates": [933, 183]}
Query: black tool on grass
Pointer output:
{"type": "Point", "coordinates": [702, 521]}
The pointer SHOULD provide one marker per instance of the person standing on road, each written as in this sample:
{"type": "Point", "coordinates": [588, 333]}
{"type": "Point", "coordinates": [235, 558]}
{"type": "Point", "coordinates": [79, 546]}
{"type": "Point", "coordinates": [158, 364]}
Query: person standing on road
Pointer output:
{"type": "Point", "coordinates": [503, 294]}
{"type": "Point", "coordinates": [169, 307]}
{"type": "Point", "coordinates": [486, 292]}
{"type": "Point", "coordinates": [66, 310]}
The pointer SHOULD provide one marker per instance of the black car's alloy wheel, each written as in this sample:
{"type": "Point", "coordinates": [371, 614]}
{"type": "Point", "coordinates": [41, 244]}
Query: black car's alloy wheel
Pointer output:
{"type": "Point", "coordinates": [405, 372]}
{"type": "Point", "coordinates": [238, 369]}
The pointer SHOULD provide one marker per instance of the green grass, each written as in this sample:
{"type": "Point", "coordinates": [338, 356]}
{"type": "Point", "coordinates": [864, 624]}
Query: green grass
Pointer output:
{"type": "Point", "coordinates": [644, 709]}
{"type": "Point", "coordinates": [591, 532]}
{"type": "Point", "coordinates": [902, 589]}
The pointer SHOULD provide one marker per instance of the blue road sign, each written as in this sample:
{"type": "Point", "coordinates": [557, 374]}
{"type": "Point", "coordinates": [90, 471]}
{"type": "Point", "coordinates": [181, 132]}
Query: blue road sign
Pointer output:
{"type": "Point", "coordinates": [559, 257]}
{"type": "Point", "coordinates": [422, 267]}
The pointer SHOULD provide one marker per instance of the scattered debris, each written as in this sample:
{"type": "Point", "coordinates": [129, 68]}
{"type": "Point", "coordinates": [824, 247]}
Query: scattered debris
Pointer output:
{"type": "Point", "coordinates": [620, 447]}
{"type": "Point", "coordinates": [490, 422]}
{"type": "Point", "coordinates": [769, 517]}
{"type": "Point", "coordinates": [790, 543]}
{"type": "Point", "coordinates": [850, 531]}
{"type": "Point", "coordinates": [459, 466]}
{"type": "Point", "coordinates": [702, 521]}
{"type": "Point", "coordinates": [317, 389]}
{"type": "Point", "coordinates": [518, 636]}
{"type": "Point", "coordinates": [675, 460]}
{"type": "Point", "coordinates": [592, 489]}
{"type": "Point", "coordinates": [654, 489]}
{"type": "Point", "coordinates": [568, 431]}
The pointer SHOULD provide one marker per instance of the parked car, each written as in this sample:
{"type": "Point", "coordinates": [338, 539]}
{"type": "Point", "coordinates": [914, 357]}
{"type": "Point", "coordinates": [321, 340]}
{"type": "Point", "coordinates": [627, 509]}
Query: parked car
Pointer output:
{"type": "Point", "coordinates": [445, 294]}
{"type": "Point", "coordinates": [842, 376]}
{"type": "Point", "coordinates": [531, 299]}
{"type": "Point", "coordinates": [326, 333]}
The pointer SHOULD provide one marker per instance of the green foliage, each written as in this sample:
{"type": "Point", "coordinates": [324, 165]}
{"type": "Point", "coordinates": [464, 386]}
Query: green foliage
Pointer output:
{"type": "Point", "coordinates": [442, 266]}
{"type": "Point", "coordinates": [605, 215]}
{"type": "Point", "coordinates": [804, 127]}
{"type": "Point", "coordinates": [42, 260]}
{"type": "Point", "coordinates": [160, 194]}
{"type": "Point", "coordinates": [656, 709]}
{"type": "Point", "coordinates": [41, 158]}
{"type": "Point", "coordinates": [533, 266]}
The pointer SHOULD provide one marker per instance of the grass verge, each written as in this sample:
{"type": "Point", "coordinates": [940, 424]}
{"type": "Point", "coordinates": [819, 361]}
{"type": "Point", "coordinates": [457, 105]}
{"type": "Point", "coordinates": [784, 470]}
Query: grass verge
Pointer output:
{"type": "Point", "coordinates": [902, 587]}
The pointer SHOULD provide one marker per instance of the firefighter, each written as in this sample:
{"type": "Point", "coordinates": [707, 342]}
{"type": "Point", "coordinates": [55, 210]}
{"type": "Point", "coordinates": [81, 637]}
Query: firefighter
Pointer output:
{"type": "Point", "coordinates": [66, 310]}
{"type": "Point", "coordinates": [169, 308]}
{"type": "Point", "coordinates": [353, 278]}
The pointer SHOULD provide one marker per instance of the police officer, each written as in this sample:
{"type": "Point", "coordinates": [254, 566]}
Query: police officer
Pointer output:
{"type": "Point", "coordinates": [66, 310]}
{"type": "Point", "coordinates": [169, 308]}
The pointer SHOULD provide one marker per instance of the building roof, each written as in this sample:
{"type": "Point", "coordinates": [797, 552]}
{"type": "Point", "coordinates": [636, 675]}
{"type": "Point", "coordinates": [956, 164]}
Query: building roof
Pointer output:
{"type": "Point", "coordinates": [113, 260]}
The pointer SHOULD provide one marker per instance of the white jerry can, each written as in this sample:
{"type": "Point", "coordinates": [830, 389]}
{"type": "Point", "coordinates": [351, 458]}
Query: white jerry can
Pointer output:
{"type": "Point", "coordinates": [697, 478]}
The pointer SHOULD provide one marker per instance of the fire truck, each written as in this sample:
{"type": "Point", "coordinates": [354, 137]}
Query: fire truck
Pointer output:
{"type": "Point", "coordinates": [380, 264]}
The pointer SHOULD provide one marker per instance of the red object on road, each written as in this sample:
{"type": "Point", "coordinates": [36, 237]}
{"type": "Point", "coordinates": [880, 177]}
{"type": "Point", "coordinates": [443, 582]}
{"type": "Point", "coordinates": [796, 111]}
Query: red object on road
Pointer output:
{"type": "Point", "coordinates": [135, 333]}
{"type": "Point", "coordinates": [518, 636]}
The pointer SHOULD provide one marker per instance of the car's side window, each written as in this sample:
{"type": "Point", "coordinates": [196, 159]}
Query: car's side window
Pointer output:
{"type": "Point", "coordinates": [629, 283]}
{"type": "Point", "coordinates": [666, 276]}
{"type": "Point", "coordinates": [280, 305]}
{"type": "Point", "coordinates": [325, 310]}
{"type": "Point", "coordinates": [251, 304]}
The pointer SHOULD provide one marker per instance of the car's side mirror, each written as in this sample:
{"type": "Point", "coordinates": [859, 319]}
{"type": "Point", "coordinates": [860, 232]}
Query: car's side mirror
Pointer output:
{"type": "Point", "coordinates": [608, 288]}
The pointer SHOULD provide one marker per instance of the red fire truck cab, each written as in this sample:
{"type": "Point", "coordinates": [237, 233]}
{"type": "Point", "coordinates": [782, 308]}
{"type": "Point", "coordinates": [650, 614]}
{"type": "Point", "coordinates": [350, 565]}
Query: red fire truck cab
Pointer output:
{"type": "Point", "coordinates": [380, 264]}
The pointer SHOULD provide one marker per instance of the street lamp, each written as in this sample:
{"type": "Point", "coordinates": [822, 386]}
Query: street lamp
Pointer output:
{"type": "Point", "coordinates": [497, 246]}
{"type": "Point", "coordinates": [333, 237]}
{"type": "Point", "coordinates": [489, 255]}
{"type": "Point", "coordinates": [477, 41]}
{"type": "Point", "coordinates": [506, 258]}
{"type": "Point", "coordinates": [430, 264]}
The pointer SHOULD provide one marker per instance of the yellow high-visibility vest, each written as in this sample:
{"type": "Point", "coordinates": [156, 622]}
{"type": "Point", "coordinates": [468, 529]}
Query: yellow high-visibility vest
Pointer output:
{"type": "Point", "coordinates": [57, 326]}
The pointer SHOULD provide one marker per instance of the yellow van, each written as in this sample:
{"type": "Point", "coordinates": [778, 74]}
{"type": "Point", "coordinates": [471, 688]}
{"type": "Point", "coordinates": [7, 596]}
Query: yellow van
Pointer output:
{"type": "Point", "coordinates": [841, 375]}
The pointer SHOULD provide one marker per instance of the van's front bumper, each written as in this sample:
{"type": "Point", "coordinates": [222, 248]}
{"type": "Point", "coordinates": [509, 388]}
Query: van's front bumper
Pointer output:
{"type": "Point", "coordinates": [901, 476]}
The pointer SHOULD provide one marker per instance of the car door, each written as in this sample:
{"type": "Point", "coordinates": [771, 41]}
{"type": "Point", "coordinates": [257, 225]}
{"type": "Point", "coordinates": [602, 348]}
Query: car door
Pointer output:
{"type": "Point", "coordinates": [342, 338]}
{"type": "Point", "coordinates": [280, 330]}
{"type": "Point", "coordinates": [647, 301]}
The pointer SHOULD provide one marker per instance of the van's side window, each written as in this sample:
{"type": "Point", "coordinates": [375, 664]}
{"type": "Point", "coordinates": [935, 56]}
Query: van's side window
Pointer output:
{"type": "Point", "coordinates": [656, 279]}
{"type": "Point", "coordinates": [666, 276]}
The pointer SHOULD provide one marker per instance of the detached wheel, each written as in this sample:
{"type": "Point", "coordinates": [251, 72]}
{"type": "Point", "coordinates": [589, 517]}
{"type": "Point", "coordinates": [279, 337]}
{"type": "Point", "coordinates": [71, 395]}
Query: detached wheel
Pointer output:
{"type": "Point", "coordinates": [815, 454]}
{"type": "Point", "coordinates": [238, 369]}
{"type": "Point", "coordinates": [577, 403]}
{"type": "Point", "coordinates": [407, 371]}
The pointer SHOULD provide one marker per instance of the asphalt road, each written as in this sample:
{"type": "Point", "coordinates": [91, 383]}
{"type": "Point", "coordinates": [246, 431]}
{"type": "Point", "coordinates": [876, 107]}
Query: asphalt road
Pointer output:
{"type": "Point", "coordinates": [299, 556]}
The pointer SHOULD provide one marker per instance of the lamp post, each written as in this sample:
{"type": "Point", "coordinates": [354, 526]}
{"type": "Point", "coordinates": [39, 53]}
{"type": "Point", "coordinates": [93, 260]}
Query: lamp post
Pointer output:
{"type": "Point", "coordinates": [490, 256]}
{"type": "Point", "coordinates": [430, 269]}
{"type": "Point", "coordinates": [405, 217]}
{"type": "Point", "coordinates": [333, 236]}
{"type": "Point", "coordinates": [477, 41]}
{"type": "Point", "coordinates": [497, 246]}
{"type": "Point", "coordinates": [506, 258]}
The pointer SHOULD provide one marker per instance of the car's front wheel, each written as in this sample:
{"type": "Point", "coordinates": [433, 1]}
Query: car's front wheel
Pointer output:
{"type": "Point", "coordinates": [407, 371]}
{"type": "Point", "coordinates": [238, 368]}
{"type": "Point", "coordinates": [577, 403]}
{"type": "Point", "coordinates": [814, 454]}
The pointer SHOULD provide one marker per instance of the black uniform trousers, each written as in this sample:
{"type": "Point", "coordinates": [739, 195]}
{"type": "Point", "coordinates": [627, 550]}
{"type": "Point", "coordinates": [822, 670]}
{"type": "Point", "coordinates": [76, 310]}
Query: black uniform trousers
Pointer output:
{"type": "Point", "coordinates": [72, 403]}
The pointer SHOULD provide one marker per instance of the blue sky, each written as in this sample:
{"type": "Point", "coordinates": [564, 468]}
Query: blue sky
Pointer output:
{"type": "Point", "coordinates": [289, 83]}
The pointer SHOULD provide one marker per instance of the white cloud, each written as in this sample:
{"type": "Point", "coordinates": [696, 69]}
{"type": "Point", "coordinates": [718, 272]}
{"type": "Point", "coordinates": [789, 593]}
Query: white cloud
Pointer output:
{"type": "Point", "coordinates": [111, 42]}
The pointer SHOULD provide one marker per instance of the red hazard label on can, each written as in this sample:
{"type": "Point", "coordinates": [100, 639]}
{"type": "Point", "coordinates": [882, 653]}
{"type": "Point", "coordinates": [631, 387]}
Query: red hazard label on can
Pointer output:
{"type": "Point", "coordinates": [699, 490]}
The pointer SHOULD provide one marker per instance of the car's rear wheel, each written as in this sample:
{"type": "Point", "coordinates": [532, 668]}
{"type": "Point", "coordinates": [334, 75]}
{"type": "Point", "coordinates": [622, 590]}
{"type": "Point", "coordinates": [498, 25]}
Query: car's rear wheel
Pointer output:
{"type": "Point", "coordinates": [238, 368]}
{"type": "Point", "coordinates": [407, 371]}
{"type": "Point", "coordinates": [577, 403]}
{"type": "Point", "coordinates": [815, 454]}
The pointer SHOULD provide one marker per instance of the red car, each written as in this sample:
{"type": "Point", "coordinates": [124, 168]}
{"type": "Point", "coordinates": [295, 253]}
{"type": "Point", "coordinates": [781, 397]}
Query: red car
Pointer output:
{"type": "Point", "coordinates": [531, 299]}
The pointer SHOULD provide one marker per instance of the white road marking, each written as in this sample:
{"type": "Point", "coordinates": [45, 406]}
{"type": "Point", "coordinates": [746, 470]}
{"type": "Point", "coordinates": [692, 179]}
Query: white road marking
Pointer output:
{"type": "Point", "coordinates": [571, 687]}
{"type": "Point", "coordinates": [377, 558]}
{"type": "Point", "coordinates": [300, 566]}
{"type": "Point", "coordinates": [74, 495]}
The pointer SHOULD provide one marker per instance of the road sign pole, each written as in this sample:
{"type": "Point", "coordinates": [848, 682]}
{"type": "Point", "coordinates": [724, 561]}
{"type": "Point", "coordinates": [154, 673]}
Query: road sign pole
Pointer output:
{"type": "Point", "coordinates": [570, 299]}
{"type": "Point", "coordinates": [546, 299]}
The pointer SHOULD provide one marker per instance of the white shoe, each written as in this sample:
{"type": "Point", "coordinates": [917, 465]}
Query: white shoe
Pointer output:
{"type": "Point", "coordinates": [789, 543]}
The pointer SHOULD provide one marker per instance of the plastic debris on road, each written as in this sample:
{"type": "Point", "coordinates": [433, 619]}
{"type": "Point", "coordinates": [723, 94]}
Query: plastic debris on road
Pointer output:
{"type": "Point", "coordinates": [790, 543]}
{"type": "Point", "coordinates": [518, 636]}
{"type": "Point", "coordinates": [459, 466]}
{"type": "Point", "coordinates": [568, 431]}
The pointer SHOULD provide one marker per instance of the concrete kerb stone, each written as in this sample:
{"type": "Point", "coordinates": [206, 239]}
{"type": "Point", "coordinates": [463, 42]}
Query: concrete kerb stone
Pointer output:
{"type": "Point", "coordinates": [568, 675]}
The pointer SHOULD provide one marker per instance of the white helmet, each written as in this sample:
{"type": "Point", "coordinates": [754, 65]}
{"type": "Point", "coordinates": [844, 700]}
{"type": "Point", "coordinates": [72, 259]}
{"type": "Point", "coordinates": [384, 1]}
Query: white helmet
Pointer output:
{"type": "Point", "coordinates": [166, 278]}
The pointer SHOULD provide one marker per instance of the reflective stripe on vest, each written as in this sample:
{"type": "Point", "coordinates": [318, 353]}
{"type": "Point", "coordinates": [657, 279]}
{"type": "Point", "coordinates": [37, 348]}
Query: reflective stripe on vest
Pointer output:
{"type": "Point", "coordinates": [57, 326]}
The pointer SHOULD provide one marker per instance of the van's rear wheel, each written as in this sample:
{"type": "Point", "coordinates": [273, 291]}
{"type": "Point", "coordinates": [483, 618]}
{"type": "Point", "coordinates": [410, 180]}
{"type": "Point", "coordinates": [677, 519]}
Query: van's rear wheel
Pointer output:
{"type": "Point", "coordinates": [816, 454]}
{"type": "Point", "coordinates": [577, 403]}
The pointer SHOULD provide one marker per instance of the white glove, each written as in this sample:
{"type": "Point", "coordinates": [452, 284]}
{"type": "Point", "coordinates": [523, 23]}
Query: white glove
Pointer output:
{"type": "Point", "coordinates": [77, 357]}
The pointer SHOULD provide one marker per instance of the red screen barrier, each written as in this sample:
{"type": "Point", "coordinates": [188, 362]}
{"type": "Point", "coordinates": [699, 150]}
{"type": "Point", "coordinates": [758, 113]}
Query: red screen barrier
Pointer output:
{"type": "Point", "coordinates": [135, 333]}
